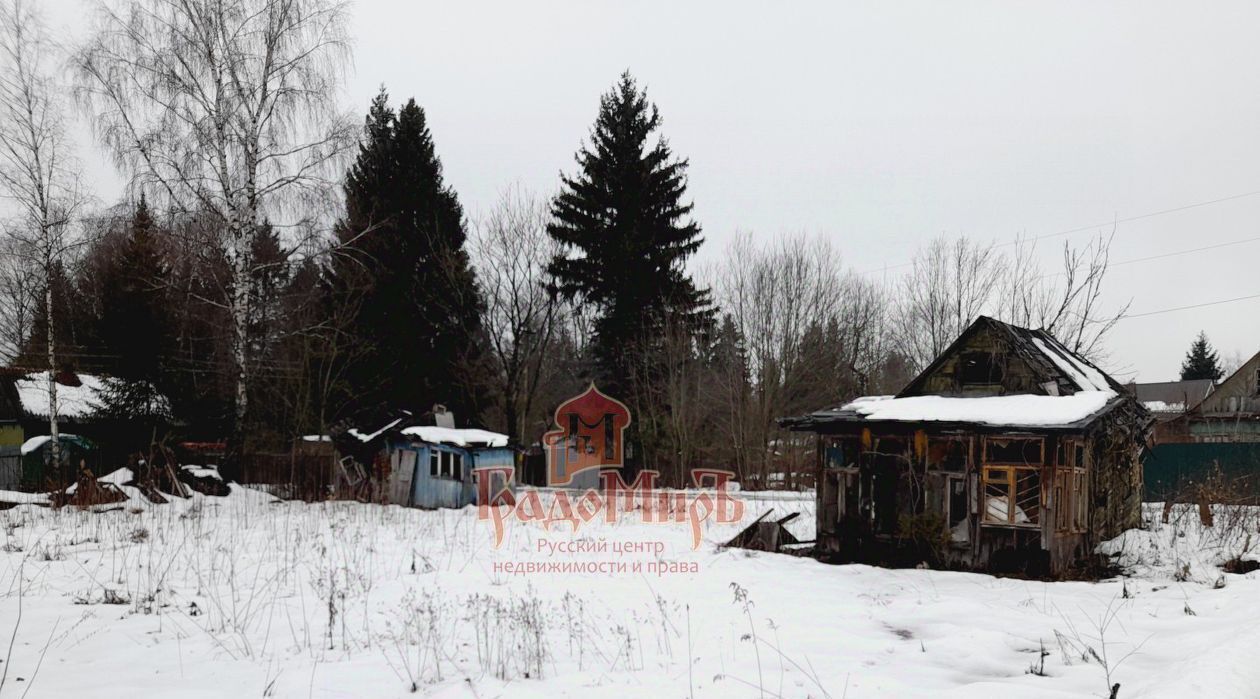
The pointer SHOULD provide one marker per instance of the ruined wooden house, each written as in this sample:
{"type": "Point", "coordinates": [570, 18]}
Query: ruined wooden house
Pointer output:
{"type": "Point", "coordinates": [1008, 453]}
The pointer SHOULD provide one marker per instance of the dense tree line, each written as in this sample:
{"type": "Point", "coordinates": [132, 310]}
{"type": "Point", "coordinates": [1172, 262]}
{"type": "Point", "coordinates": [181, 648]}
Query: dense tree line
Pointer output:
{"type": "Point", "coordinates": [274, 271]}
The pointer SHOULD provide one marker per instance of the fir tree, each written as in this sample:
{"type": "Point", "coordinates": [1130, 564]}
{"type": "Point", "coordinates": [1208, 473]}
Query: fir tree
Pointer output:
{"type": "Point", "coordinates": [627, 233]}
{"type": "Point", "coordinates": [134, 327]}
{"type": "Point", "coordinates": [1201, 361]}
{"type": "Point", "coordinates": [404, 268]}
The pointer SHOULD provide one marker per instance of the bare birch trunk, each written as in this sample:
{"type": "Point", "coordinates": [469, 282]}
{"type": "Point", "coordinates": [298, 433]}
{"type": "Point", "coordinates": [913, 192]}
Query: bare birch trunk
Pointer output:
{"type": "Point", "coordinates": [55, 449]}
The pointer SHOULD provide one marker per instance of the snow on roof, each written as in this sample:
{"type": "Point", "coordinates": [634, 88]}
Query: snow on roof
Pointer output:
{"type": "Point", "coordinates": [35, 443]}
{"type": "Point", "coordinates": [353, 432]}
{"type": "Point", "coordinates": [457, 437]}
{"type": "Point", "coordinates": [79, 401]}
{"type": "Point", "coordinates": [1159, 406]}
{"type": "Point", "coordinates": [1024, 410]}
{"type": "Point", "coordinates": [1086, 377]}
{"type": "Point", "coordinates": [72, 401]}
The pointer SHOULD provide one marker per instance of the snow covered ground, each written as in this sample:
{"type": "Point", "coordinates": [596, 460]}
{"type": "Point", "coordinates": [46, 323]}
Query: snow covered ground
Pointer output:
{"type": "Point", "coordinates": [246, 596]}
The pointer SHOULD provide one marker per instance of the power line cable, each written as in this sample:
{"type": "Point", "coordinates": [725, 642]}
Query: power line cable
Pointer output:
{"type": "Point", "coordinates": [1192, 306]}
{"type": "Point", "coordinates": [1113, 222]}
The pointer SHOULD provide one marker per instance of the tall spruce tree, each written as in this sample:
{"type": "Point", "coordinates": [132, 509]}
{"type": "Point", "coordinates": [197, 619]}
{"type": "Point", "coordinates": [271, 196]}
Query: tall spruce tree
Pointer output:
{"type": "Point", "coordinates": [1201, 361]}
{"type": "Point", "coordinates": [403, 266]}
{"type": "Point", "coordinates": [627, 233]}
{"type": "Point", "coordinates": [134, 329]}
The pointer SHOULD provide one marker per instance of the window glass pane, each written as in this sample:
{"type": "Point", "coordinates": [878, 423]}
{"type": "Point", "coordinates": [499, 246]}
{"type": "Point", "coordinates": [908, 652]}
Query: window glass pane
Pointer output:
{"type": "Point", "coordinates": [433, 462]}
{"type": "Point", "coordinates": [457, 465]}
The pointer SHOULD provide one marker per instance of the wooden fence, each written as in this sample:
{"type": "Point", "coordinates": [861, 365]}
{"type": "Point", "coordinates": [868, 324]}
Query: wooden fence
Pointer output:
{"type": "Point", "coordinates": [305, 472]}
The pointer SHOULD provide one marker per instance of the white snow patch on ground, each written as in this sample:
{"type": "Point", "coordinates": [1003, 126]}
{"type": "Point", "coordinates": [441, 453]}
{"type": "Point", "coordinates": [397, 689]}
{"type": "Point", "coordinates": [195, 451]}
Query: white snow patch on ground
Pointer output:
{"type": "Point", "coordinates": [11, 497]}
{"type": "Point", "coordinates": [246, 596]}
{"type": "Point", "coordinates": [203, 471]}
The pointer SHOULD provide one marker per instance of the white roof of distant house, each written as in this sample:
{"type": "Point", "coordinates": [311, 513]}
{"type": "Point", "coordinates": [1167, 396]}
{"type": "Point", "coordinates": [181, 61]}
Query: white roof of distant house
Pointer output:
{"type": "Point", "coordinates": [34, 443]}
{"type": "Point", "coordinates": [75, 402]}
{"type": "Point", "coordinates": [72, 401]}
{"type": "Point", "coordinates": [456, 437]}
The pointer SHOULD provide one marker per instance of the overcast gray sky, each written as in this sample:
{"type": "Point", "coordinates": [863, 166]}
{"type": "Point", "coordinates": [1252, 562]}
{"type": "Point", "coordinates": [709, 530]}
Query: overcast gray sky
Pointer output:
{"type": "Point", "coordinates": [878, 125]}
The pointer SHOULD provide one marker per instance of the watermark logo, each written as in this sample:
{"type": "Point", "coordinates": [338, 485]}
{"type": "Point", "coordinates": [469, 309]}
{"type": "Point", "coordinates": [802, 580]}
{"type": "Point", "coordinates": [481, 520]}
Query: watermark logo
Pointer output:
{"type": "Point", "coordinates": [712, 498]}
{"type": "Point", "coordinates": [590, 437]}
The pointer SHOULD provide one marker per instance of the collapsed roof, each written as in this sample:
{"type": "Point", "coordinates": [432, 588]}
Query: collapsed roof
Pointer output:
{"type": "Point", "coordinates": [1069, 392]}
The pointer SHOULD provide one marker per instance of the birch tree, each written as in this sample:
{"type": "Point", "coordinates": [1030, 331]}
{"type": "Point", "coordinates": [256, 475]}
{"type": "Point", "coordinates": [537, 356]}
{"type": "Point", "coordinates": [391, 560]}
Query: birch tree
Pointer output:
{"type": "Point", "coordinates": [511, 250]}
{"type": "Point", "coordinates": [1067, 304]}
{"type": "Point", "coordinates": [225, 108]}
{"type": "Point", "coordinates": [951, 283]}
{"type": "Point", "coordinates": [38, 176]}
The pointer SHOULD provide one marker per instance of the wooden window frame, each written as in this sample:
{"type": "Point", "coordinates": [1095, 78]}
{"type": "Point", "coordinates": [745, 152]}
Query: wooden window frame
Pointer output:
{"type": "Point", "coordinates": [1010, 482]}
{"type": "Point", "coordinates": [952, 477]}
{"type": "Point", "coordinates": [444, 463]}
{"type": "Point", "coordinates": [1010, 486]}
{"type": "Point", "coordinates": [1080, 499]}
{"type": "Point", "coordinates": [984, 450]}
{"type": "Point", "coordinates": [1061, 500]}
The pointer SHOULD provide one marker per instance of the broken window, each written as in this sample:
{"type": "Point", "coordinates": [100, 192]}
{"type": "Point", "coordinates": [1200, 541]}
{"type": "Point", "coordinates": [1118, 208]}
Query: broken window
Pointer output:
{"type": "Point", "coordinates": [893, 446]}
{"type": "Point", "coordinates": [433, 462]}
{"type": "Point", "coordinates": [841, 452]}
{"type": "Point", "coordinates": [1017, 452]}
{"type": "Point", "coordinates": [1069, 496]}
{"type": "Point", "coordinates": [948, 455]}
{"type": "Point", "coordinates": [979, 368]}
{"type": "Point", "coordinates": [956, 500]}
{"type": "Point", "coordinates": [1080, 500]}
{"type": "Point", "coordinates": [1012, 495]}
{"type": "Point", "coordinates": [847, 493]}
{"type": "Point", "coordinates": [1060, 500]}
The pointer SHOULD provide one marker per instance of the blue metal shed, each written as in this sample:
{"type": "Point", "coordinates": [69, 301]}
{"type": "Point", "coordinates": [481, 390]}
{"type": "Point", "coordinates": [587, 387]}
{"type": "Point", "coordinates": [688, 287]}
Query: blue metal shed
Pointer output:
{"type": "Point", "coordinates": [433, 467]}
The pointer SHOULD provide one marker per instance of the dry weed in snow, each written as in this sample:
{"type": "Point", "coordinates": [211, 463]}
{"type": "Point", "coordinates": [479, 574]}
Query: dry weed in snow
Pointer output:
{"type": "Point", "coordinates": [248, 596]}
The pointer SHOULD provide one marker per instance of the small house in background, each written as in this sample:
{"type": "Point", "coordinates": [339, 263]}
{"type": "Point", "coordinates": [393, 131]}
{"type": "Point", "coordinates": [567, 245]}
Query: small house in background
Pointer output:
{"type": "Point", "coordinates": [1169, 400]}
{"type": "Point", "coordinates": [404, 461]}
{"type": "Point", "coordinates": [1008, 453]}
{"type": "Point", "coordinates": [25, 403]}
{"type": "Point", "coordinates": [1219, 434]}
{"type": "Point", "coordinates": [38, 470]}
